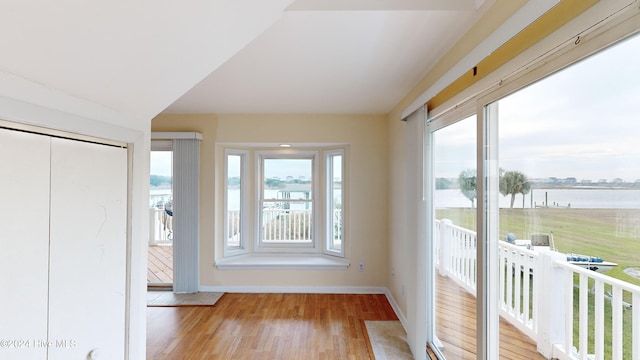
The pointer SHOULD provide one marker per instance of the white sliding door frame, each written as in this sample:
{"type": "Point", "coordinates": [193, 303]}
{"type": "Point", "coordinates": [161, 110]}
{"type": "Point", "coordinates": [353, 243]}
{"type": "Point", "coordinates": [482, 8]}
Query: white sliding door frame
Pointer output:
{"type": "Point", "coordinates": [599, 27]}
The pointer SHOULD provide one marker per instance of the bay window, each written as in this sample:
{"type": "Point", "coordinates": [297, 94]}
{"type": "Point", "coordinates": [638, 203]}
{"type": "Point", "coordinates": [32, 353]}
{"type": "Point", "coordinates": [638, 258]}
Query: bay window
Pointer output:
{"type": "Point", "coordinates": [292, 201]}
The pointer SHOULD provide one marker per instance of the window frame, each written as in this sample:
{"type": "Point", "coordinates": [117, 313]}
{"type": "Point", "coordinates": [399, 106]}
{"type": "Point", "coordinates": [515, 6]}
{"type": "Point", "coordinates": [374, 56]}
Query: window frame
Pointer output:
{"type": "Point", "coordinates": [329, 224]}
{"type": "Point", "coordinates": [251, 189]}
{"type": "Point", "coordinates": [316, 205]}
{"type": "Point", "coordinates": [243, 247]}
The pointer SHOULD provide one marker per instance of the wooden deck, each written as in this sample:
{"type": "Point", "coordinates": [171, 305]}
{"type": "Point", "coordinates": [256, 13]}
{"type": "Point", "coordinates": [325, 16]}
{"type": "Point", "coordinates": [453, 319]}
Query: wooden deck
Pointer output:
{"type": "Point", "coordinates": [160, 265]}
{"type": "Point", "coordinates": [456, 327]}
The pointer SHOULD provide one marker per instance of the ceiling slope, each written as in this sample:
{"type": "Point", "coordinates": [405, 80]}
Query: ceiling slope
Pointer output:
{"type": "Point", "coordinates": [129, 57]}
{"type": "Point", "coordinates": [351, 56]}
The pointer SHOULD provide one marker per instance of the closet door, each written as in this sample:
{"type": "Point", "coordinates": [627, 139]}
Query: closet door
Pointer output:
{"type": "Point", "coordinates": [24, 244]}
{"type": "Point", "coordinates": [87, 250]}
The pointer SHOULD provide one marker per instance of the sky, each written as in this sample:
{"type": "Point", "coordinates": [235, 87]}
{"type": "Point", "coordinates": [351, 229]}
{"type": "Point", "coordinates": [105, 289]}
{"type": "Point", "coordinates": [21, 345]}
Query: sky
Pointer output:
{"type": "Point", "coordinates": [160, 163]}
{"type": "Point", "coordinates": [581, 122]}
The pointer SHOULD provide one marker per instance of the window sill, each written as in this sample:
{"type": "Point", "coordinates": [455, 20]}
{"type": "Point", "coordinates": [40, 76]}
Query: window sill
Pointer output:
{"type": "Point", "coordinates": [282, 262]}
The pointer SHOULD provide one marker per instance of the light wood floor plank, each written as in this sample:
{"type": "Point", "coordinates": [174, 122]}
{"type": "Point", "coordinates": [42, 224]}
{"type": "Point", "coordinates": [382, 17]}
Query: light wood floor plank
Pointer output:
{"type": "Point", "coordinates": [282, 326]}
{"type": "Point", "coordinates": [267, 326]}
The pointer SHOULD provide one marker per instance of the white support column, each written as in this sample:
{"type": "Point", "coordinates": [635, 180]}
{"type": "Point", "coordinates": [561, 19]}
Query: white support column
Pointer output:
{"type": "Point", "coordinates": [549, 291]}
{"type": "Point", "coordinates": [445, 247]}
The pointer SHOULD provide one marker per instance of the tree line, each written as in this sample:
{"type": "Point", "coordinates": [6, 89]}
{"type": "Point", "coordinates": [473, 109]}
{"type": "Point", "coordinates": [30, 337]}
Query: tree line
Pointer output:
{"type": "Point", "coordinates": [511, 183]}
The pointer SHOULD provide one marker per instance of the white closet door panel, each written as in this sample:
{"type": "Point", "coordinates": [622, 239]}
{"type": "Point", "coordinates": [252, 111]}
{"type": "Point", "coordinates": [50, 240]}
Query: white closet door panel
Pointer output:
{"type": "Point", "coordinates": [88, 250]}
{"type": "Point", "coordinates": [24, 243]}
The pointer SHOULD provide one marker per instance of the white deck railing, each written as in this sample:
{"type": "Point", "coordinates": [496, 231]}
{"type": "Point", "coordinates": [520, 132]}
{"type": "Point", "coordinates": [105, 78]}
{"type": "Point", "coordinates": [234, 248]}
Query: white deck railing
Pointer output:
{"type": "Point", "coordinates": [160, 227]}
{"type": "Point", "coordinates": [537, 296]}
{"type": "Point", "coordinates": [286, 225]}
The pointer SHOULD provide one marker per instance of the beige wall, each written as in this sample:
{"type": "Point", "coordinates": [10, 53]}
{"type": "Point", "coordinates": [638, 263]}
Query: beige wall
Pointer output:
{"type": "Point", "coordinates": [367, 199]}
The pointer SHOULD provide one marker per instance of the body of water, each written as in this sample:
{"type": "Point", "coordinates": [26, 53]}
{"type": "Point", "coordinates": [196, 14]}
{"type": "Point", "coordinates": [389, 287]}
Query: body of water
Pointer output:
{"type": "Point", "coordinates": [579, 198]}
{"type": "Point", "coordinates": [233, 200]}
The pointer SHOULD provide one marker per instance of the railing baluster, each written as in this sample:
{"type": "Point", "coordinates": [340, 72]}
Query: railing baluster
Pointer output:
{"type": "Point", "coordinates": [583, 322]}
{"type": "Point", "coordinates": [635, 321]}
{"type": "Point", "coordinates": [599, 319]}
{"type": "Point", "coordinates": [526, 273]}
{"type": "Point", "coordinates": [568, 310]}
{"type": "Point", "coordinates": [279, 224]}
{"type": "Point", "coordinates": [267, 225]}
{"type": "Point", "coordinates": [288, 233]}
{"type": "Point", "coordinates": [510, 272]}
{"type": "Point", "coordinates": [503, 276]}
{"type": "Point", "coordinates": [517, 273]}
{"type": "Point", "coordinates": [616, 326]}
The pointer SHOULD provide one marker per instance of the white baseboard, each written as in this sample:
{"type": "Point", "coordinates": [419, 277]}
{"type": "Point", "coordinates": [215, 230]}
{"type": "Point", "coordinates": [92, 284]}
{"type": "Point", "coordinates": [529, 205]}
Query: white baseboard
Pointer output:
{"type": "Point", "coordinates": [297, 289]}
{"type": "Point", "coordinates": [396, 309]}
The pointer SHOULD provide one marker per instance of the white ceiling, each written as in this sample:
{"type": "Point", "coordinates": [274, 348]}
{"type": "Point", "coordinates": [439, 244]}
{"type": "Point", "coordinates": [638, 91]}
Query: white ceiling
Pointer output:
{"type": "Point", "coordinates": [329, 56]}
{"type": "Point", "coordinates": [132, 59]}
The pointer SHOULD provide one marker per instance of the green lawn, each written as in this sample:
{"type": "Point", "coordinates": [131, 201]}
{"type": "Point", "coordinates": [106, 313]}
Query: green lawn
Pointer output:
{"type": "Point", "coordinates": [612, 234]}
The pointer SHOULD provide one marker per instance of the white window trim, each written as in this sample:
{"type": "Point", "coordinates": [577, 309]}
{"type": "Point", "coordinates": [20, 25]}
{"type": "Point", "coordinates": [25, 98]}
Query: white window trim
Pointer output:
{"type": "Point", "coordinates": [328, 201]}
{"type": "Point", "coordinates": [279, 257]}
{"type": "Point", "coordinates": [244, 202]}
{"type": "Point", "coordinates": [316, 204]}
{"type": "Point", "coordinates": [283, 262]}
{"type": "Point", "coordinates": [161, 145]}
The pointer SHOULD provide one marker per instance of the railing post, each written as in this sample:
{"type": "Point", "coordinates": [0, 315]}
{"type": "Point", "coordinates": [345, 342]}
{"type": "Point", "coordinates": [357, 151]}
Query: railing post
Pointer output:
{"type": "Point", "coordinates": [152, 226]}
{"type": "Point", "coordinates": [549, 293]}
{"type": "Point", "coordinates": [445, 247]}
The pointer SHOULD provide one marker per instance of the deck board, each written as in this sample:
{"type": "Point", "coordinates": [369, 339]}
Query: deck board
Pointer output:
{"type": "Point", "coordinates": [456, 327]}
{"type": "Point", "coordinates": [160, 264]}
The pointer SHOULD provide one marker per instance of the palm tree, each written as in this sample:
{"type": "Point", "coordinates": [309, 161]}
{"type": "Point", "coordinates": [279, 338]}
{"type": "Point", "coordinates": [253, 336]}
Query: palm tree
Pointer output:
{"type": "Point", "coordinates": [514, 182]}
{"type": "Point", "coordinates": [467, 181]}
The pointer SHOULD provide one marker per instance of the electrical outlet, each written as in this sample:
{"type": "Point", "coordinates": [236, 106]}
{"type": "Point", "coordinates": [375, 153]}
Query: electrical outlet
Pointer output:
{"type": "Point", "coordinates": [361, 267]}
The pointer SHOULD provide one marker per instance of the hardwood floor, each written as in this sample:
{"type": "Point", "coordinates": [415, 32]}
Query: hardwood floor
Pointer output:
{"type": "Point", "coordinates": [267, 326]}
{"type": "Point", "coordinates": [309, 326]}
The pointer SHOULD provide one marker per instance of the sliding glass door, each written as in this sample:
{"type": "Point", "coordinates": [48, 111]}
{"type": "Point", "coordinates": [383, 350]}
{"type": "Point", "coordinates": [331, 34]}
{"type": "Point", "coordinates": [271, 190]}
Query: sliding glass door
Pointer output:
{"type": "Point", "coordinates": [535, 204]}
{"type": "Point", "coordinates": [569, 205]}
{"type": "Point", "coordinates": [453, 175]}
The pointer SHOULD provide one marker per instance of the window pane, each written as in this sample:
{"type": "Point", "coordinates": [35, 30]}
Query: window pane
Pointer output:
{"type": "Point", "coordinates": [234, 201]}
{"type": "Point", "coordinates": [454, 207]}
{"type": "Point", "coordinates": [287, 206]}
{"type": "Point", "coordinates": [334, 206]}
{"type": "Point", "coordinates": [569, 170]}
